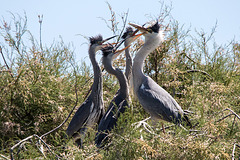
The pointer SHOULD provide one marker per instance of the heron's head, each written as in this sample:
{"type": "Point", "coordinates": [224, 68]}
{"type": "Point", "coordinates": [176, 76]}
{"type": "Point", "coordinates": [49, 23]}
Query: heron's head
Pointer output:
{"type": "Point", "coordinates": [130, 36]}
{"type": "Point", "coordinates": [152, 31]}
{"type": "Point", "coordinates": [98, 41]}
{"type": "Point", "coordinates": [110, 51]}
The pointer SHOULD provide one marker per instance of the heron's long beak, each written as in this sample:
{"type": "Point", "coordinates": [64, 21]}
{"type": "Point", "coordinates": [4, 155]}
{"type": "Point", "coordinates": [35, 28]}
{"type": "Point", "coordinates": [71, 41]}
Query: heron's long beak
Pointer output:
{"type": "Point", "coordinates": [138, 35]}
{"type": "Point", "coordinates": [135, 35]}
{"type": "Point", "coordinates": [107, 39]}
{"type": "Point", "coordinates": [118, 52]}
{"type": "Point", "coordinates": [140, 28]}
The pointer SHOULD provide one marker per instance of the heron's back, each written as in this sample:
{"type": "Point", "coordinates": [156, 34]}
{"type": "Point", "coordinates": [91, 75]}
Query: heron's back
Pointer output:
{"type": "Point", "coordinates": [87, 115]}
{"type": "Point", "coordinates": [158, 102]}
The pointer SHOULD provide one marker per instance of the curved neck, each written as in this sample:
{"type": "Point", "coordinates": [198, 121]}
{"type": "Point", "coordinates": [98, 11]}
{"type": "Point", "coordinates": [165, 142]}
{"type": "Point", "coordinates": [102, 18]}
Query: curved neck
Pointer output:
{"type": "Point", "coordinates": [128, 70]}
{"type": "Point", "coordinates": [146, 49]}
{"type": "Point", "coordinates": [120, 76]}
{"type": "Point", "coordinates": [97, 83]}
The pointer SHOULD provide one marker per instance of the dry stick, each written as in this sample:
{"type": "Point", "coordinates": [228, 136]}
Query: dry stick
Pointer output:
{"type": "Point", "coordinates": [183, 53]}
{"type": "Point", "coordinates": [196, 70]}
{"type": "Point", "coordinates": [21, 146]}
{"type": "Point", "coordinates": [224, 117]}
{"type": "Point", "coordinates": [28, 138]}
{"type": "Point", "coordinates": [124, 25]}
{"type": "Point", "coordinates": [234, 146]}
{"type": "Point", "coordinates": [233, 113]}
{"type": "Point", "coordinates": [233, 123]}
{"type": "Point", "coordinates": [5, 62]}
{"type": "Point", "coordinates": [4, 157]}
{"type": "Point", "coordinates": [49, 149]}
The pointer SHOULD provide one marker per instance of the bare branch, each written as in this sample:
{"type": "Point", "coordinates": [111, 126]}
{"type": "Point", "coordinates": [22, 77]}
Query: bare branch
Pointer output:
{"type": "Point", "coordinates": [232, 113]}
{"type": "Point", "coordinates": [28, 138]}
{"type": "Point", "coordinates": [196, 70]}
{"type": "Point", "coordinates": [224, 117]}
{"type": "Point", "coordinates": [124, 25]}
{"type": "Point", "coordinates": [4, 157]}
{"type": "Point", "coordinates": [234, 147]}
{"type": "Point", "coordinates": [6, 62]}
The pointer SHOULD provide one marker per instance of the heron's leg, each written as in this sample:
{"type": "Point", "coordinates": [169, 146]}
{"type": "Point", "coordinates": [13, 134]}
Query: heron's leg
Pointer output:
{"type": "Point", "coordinates": [154, 123]}
{"type": "Point", "coordinates": [79, 137]}
{"type": "Point", "coordinates": [163, 129]}
{"type": "Point", "coordinates": [79, 143]}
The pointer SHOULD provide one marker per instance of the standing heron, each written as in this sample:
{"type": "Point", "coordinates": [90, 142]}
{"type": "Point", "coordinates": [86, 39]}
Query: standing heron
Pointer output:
{"type": "Point", "coordinates": [91, 111]}
{"type": "Point", "coordinates": [120, 101]}
{"type": "Point", "coordinates": [129, 36]}
{"type": "Point", "coordinates": [154, 99]}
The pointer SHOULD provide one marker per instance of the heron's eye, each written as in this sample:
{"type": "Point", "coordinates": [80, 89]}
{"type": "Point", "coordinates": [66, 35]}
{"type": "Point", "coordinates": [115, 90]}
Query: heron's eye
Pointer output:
{"type": "Point", "coordinates": [149, 30]}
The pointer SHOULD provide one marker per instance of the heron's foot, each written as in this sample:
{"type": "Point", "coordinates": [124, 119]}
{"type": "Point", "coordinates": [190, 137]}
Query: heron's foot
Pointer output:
{"type": "Point", "coordinates": [146, 126]}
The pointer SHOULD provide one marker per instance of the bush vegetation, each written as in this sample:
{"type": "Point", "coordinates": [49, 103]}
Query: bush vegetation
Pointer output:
{"type": "Point", "coordinates": [39, 86]}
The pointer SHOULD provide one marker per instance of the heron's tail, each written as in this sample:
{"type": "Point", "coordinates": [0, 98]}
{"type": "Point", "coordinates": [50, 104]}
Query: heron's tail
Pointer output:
{"type": "Point", "coordinates": [186, 120]}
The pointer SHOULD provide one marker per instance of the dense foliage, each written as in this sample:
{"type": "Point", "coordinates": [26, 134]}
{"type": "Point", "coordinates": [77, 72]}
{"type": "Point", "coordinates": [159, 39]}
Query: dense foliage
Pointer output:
{"type": "Point", "coordinates": [39, 86]}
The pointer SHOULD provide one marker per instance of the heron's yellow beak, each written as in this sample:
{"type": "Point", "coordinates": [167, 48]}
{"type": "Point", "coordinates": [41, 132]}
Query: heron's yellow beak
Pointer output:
{"type": "Point", "coordinates": [118, 52]}
{"type": "Point", "coordinates": [140, 28]}
{"type": "Point", "coordinates": [138, 35]}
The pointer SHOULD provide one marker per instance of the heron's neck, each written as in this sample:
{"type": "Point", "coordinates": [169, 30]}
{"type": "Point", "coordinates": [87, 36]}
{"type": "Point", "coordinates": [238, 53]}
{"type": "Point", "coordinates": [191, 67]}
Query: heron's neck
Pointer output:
{"type": "Point", "coordinates": [138, 75]}
{"type": "Point", "coordinates": [129, 64]}
{"type": "Point", "coordinates": [97, 83]}
{"type": "Point", "coordinates": [120, 76]}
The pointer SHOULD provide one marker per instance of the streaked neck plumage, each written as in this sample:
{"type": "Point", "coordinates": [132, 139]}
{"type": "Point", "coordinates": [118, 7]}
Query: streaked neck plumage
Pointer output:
{"type": "Point", "coordinates": [129, 63]}
{"type": "Point", "coordinates": [120, 76]}
{"type": "Point", "coordinates": [152, 41]}
{"type": "Point", "coordinates": [97, 84]}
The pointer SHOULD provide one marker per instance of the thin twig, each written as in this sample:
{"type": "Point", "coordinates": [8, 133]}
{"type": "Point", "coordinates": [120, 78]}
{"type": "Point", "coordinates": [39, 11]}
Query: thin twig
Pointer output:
{"type": "Point", "coordinates": [234, 147]}
{"type": "Point", "coordinates": [12, 148]}
{"type": "Point", "coordinates": [28, 138]}
{"type": "Point", "coordinates": [124, 25]}
{"type": "Point", "coordinates": [232, 113]}
{"type": "Point", "coordinates": [49, 149]}
{"type": "Point", "coordinates": [183, 53]}
{"type": "Point", "coordinates": [4, 157]}
{"type": "Point", "coordinates": [6, 62]}
{"type": "Point", "coordinates": [224, 117]}
{"type": "Point", "coordinates": [196, 70]}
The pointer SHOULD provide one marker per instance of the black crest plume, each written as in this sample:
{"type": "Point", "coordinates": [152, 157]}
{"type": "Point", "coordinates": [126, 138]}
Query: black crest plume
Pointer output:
{"type": "Point", "coordinates": [128, 31]}
{"type": "Point", "coordinates": [107, 50]}
{"type": "Point", "coordinates": [96, 39]}
{"type": "Point", "coordinates": [155, 27]}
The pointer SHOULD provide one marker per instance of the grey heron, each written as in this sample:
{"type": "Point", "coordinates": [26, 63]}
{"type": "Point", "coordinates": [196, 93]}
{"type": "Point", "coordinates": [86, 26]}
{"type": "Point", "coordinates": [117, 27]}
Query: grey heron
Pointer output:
{"type": "Point", "coordinates": [129, 36]}
{"type": "Point", "coordinates": [120, 101]}
{"type": "Point", "coordinates": [92, 109]}
{"type": "Point", "coordinates": [153, 98]}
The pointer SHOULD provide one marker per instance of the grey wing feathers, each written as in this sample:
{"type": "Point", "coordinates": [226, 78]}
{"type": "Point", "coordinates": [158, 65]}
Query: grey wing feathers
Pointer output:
{"type": "Point", "coordinates": [79, 118]}
{"type": "Point", "coordinates": [109, 121]}
{"type": "Point", "coordinates": [158, 102]}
